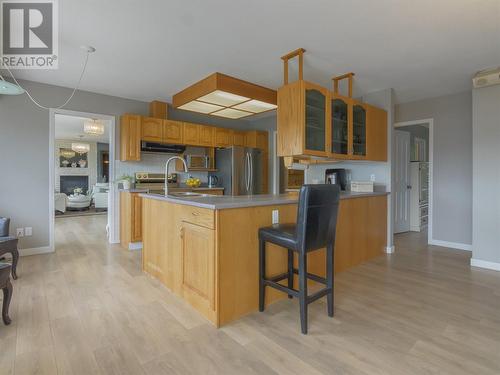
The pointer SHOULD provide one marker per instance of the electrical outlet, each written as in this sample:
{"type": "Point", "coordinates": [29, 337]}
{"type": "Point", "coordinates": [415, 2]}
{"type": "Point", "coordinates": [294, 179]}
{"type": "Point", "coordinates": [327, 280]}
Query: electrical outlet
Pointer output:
{"type": "Point", "coordinates": [28, 231]}
{"type": "Point", "coordinates": [276, 217]}
{"type": "Point", "coordinates": [20, 232]}
{"type": "Point", "coordinates": [372, 178]}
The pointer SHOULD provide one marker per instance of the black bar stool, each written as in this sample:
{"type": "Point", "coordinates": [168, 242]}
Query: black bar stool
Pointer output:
{"type": "Point", "coordinates": [315, 229]}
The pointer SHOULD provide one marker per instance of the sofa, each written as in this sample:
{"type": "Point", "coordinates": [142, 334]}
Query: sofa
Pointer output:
{"type": "Point", "coordinates": [100, 195]}
{"type": "Point", "coordinates": [60, 202]}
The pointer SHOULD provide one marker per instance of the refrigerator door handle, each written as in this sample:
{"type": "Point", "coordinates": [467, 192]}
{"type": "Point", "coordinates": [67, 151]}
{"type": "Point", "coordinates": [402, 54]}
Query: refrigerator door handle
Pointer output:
{"type": "Point", "coordinates": [247, 172]}
{"type": "Point", "coordinates": [251, 172]}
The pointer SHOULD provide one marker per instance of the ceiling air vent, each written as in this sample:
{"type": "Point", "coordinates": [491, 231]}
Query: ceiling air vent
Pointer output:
{"type": "Point", "coordinates": [486, 78]}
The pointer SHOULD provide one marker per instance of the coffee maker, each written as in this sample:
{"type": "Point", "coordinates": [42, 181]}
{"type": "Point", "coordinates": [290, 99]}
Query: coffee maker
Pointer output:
{"type": "Point", "coordinates": [336, 176]}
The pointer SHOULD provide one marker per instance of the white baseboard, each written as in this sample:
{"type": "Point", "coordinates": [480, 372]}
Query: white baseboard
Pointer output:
{"type": "Point", "coordinates": [390, 249]}
{"type": "Point", "coordinates": [135, 245]}
{"type": "Point", "coordinates": [452, 245]}
{"type": "Point", "coordinates": [485, 264]}
{"type": "Point", "coordinates": [35, 251]}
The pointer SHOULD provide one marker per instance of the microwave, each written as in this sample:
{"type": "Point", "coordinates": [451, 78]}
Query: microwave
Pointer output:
{"type": "Point", "coordinates": [197, 161]}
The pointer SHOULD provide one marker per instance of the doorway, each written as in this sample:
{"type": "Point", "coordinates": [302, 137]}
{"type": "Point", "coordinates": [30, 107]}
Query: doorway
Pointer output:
{"type": "Point", "coordinates": [413, 160]}
{"type": "Point", "coordinates": [81, 172]}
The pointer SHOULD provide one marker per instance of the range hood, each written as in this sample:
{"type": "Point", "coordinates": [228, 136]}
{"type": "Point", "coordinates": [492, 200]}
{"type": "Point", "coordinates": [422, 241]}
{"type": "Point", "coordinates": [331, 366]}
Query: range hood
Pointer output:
{"type": "Point", "coordinates": [161, 148]}
{"type": "Point", "coordinates": [224, 96]}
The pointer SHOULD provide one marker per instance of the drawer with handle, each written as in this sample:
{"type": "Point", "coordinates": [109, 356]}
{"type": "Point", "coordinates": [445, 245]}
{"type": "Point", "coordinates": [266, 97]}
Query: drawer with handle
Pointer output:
{"type": "Point", "coordinates": [424, 211]}
{"type": "Point", "coordinates": [199, 216]}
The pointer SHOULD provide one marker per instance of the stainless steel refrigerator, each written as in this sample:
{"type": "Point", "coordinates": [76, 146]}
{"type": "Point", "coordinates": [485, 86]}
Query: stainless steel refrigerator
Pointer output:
{"type": "Point", "coordinates": [239, 170]}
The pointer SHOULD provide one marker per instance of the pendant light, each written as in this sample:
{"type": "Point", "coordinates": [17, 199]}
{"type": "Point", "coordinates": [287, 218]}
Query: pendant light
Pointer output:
{"type": "Point", "coordinates": [7, 88]}
{"type": "Point", "coordinates": [80, 147]}
{"type": "Point", "coordinates": [93, 127]}
{"type": "Point", "coordinates": [68, 154]}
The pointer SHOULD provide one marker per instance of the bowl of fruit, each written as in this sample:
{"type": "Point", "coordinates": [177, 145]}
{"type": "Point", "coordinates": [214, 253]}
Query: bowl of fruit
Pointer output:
{"type": "Point", "coordinates": [193, 182]}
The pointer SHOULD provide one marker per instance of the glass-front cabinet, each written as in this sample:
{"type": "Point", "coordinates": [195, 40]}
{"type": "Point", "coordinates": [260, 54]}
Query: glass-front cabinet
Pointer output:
{"type": "Point", "coordinates": [340, 118]}
{"type": "Point", "coordinates": [358, 129]}
{"type": "Point", "coordinates": [316, 100]}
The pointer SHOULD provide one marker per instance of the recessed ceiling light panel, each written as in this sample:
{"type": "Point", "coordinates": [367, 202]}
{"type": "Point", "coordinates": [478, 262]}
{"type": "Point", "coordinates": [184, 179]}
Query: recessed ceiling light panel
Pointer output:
{"type": "Point", "coordinates": [224, 92]}
{"type": "Point", "coordinates": [200, 107]}
{"type": "Point", "coordinates": [231, 113]}
{"type": "Point", "coordinates": [223, 98]}
{"type": "Point", "coordinates": [255, 106]}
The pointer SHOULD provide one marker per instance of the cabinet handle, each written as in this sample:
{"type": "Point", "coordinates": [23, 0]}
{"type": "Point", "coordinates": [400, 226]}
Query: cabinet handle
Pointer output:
{"type": "Point", "coordinates": [182, 233]}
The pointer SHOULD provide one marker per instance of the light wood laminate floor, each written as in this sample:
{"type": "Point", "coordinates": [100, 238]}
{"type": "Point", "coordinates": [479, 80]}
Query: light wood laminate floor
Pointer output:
{"type": "Point", "coordinates": [88, 309]}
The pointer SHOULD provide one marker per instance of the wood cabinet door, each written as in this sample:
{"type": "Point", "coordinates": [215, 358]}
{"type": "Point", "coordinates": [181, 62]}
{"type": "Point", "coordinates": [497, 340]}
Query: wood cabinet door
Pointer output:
{"type": "Point", "coordinates": [359, 130]}
{"type": "Point", "coordinates": [136, 218]}
{"type": "Point", "coordinates": [191, 134]}
{"type": "Point", "coordinates": [251, 138]}
{"type": "Point", "coordinates": [152, 129]}
{"type": "Point", "coordinates": [316, 120]}
{"type": "Point", "coordinates": [223, 137]}
{"type": "Point", "coordinates": [239, 138]}
{"type": "Point", "coordinates": [376, 134]}
{"type": "Point", "coordinates": [207, 134]}
{"type": "Point", "coordinates": [262, 141]}
{"type": "Point", "coordinates": [341, 126]}
{"type": "Point", "coordinates": [172, 132]}
{"type": "Point", "coordinates": [198, 266]}
{"type": "Point", "coordinates": [130, 138]}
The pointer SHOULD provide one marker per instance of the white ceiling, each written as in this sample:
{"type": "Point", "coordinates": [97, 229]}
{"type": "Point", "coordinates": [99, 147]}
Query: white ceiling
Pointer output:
{"type": "Point", "coordinates": [152, 49]}
{"type": "Point", "coordinates": [71, 127]}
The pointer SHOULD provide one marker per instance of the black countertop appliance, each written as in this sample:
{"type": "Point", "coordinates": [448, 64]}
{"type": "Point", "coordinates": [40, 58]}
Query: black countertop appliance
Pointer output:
{"type": "Point", "coordinates": [336, 176]}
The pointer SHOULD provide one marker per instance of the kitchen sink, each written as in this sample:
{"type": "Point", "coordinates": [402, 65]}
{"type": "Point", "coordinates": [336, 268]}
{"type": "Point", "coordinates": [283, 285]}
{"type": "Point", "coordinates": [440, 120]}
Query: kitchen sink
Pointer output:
{"type": "Point", "coordinates": [188, 194]}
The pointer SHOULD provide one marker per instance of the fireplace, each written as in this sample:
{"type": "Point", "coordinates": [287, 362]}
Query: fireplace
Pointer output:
{"type": "Point", "coordinates": [70, 183]}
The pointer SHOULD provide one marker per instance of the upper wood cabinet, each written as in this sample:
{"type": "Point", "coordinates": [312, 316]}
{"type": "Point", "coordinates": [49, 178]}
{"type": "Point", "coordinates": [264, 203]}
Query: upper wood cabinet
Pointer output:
{"type": "Point", "coordinates": [135, 128]}
{"type": "Point", "coordinates": [223, 137]}
{"type": "Point", "coordinates": [130, 137]}
{"type": "Point", "coordinates": [191, 134]}
{"type": "Point", "coordinates": [303, 120]}
{"type": "Point", "coordinates": [342, 129]}
{"type": "Point", "coordinates": [256, 139]}
{"type": "Point", "coordinates": [207, 135]}
{"type": "Point", "coordinates": [172, 131]}
{"type": "Point", "coordinates": [239, 138]}
{"type": "Point", "coordinates": [376, 133]}
{"type": "Point", "coordinates": [152, 129]}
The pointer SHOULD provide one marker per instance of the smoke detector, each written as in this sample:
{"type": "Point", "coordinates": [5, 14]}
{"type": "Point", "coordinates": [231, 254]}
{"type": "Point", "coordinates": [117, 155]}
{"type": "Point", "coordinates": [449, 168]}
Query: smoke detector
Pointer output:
{"type": "Point", "coordinates": [486, 77]}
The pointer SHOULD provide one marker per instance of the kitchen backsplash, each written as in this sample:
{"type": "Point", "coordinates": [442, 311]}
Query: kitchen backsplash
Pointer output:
{"type": "Point", "coordinates": [154, 163]}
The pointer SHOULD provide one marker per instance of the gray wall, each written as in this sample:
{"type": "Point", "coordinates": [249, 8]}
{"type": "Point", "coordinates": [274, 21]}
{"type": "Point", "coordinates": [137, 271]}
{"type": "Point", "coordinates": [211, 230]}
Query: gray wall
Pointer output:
{"type": "Point", "coordinates": [452, 177]}
{"type": "Point", "coordinates": [24, 151]}
{"type": "Point", "coordinates": [486, 176]}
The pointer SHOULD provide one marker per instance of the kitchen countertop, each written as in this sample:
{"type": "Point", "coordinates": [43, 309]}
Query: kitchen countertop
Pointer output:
{"type": "Point", "coordinates": [227, 201]}
{"type": "Point", "coordinates": [173, 188]}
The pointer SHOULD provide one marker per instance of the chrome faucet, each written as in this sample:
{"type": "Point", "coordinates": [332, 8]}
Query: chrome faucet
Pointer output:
{"type": "Point", "coordinates": [166, 170]}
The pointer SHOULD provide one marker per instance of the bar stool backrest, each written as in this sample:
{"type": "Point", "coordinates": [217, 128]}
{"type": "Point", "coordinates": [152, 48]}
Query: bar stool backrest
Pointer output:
{"type": "Point", "coordinates": [317, 216]}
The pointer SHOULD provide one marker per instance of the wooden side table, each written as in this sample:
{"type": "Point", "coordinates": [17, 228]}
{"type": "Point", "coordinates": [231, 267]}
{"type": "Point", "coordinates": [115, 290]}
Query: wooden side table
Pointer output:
{"type": "Point", "coordinates": [9, 245]}
{"type": "Point", "coordinates": [6, 286]}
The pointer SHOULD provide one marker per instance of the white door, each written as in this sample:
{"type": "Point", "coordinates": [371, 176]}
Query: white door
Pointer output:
{"type": "Point", "coordinates": [402, 188]}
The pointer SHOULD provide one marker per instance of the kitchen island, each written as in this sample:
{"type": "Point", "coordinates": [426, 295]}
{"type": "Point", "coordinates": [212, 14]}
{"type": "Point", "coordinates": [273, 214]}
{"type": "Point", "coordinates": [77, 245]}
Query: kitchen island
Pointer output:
{"type": "Point", "coordinates": [205, 248]}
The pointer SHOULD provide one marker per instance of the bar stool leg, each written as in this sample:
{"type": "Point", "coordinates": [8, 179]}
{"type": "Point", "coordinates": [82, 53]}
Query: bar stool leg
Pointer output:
{"type": "Point", "coordinates": [290, 271]}
{"type": "Point", "coordinates": [329, 279]}
{"type": "Point", "coordinates": [7, 295]}
{"type": "Point", "coordinates": [262, 273]}
{"type": "Point", "coordinates": [303, 291]}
